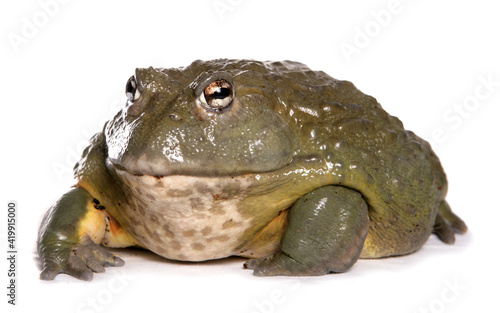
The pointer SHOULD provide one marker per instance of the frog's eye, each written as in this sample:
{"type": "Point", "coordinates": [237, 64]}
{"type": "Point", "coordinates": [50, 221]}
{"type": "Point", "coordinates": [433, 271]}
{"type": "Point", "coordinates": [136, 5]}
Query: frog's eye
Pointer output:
{"type": "Point", "coordinates": [131, 89]}
{"type": "Point", "coordinates": [217, 95]}
{"type": "Point", "coordinates": [135, 105]}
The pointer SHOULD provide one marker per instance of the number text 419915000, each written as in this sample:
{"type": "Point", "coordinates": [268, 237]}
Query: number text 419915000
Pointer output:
{"type": "Point", "coordinates": [12, 252]}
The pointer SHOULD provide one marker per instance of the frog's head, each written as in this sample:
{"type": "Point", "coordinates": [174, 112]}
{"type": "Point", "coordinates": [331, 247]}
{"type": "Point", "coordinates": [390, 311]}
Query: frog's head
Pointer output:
{"type": "Point", "coordinates": [209, 119]}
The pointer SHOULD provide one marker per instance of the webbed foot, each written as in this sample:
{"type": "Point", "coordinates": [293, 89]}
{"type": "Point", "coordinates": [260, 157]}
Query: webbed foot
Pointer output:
{"type": "Point", "coordinates": [79, 262]}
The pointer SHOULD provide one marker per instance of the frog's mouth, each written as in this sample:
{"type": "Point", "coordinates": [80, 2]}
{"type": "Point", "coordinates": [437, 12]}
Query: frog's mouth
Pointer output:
{"type": "Point", "coordinates": [152, 170]}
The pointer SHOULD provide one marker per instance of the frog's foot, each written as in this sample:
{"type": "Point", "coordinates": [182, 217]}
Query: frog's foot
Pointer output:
{"type": "Point", "coordinates": [447, 224]}
{"type": "Point", "coordinates": [80, 262]}
{"type": "Point", "coordinates": [282, 264]}
{"type": "Point", "coordinates": [325, 233]}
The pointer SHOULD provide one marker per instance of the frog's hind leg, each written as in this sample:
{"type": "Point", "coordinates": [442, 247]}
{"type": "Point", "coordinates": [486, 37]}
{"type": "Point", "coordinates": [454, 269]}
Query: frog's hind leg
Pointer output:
{"type": "Point", "coordinates": [325, 233]}
{"type": "Point", "coordinates": [447, 224]}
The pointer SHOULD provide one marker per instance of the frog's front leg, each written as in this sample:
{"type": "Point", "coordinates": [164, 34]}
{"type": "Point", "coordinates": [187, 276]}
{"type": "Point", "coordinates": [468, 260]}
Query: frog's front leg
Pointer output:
{"type": "Point", "coordinates": [70, 234]}
{"type": "Point", "coordinates": [325, 233]}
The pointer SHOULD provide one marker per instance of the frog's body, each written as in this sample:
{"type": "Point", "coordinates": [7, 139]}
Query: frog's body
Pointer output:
{"type": "Point", "coordinates": [298, 171]}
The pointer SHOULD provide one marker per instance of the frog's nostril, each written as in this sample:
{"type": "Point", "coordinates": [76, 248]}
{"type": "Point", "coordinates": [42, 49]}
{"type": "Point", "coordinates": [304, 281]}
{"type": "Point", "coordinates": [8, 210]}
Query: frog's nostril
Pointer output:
{"type": "Point", "coordinates": [175, 117]}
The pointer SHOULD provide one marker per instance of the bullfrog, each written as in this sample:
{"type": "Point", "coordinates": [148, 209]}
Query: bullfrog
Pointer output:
{"type": "Point", "coordinates": [298, 172]}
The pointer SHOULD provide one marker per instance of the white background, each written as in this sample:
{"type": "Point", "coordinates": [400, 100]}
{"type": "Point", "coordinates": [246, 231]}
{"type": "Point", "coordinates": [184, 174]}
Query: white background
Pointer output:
{"type": "Point", "coordinates": [425, 61]}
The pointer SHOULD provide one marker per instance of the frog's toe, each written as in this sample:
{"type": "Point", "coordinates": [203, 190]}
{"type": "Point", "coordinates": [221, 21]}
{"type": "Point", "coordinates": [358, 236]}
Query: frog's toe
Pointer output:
{"type": "Point", "coordinates": [444, 230]}
{"type": "Point", "coordinates": [77, 268]}
{"type": "Point", "coordinates": [50, 270]}
{"type": "Point", "coordinates": [96, 257]}
{"type": "Point", "coordinates": [458, 225]}
{"type": "Point", "coordinates": [447, 224]}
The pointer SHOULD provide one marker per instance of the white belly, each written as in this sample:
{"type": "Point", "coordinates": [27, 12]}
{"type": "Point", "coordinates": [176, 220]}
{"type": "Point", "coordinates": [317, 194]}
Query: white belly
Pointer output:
{"type": "Point", "coordinates": [186, 218]}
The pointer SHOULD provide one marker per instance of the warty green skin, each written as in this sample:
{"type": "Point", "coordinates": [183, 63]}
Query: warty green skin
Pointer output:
{"type": "Point", "coordinates": [288, 132]}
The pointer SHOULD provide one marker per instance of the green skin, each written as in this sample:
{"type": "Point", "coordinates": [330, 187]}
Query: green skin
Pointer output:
{"type": "Point", "coordinates": [306, 172]}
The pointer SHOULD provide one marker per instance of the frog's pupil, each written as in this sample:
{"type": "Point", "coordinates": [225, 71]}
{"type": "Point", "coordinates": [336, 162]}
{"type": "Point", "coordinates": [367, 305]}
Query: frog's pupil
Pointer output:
{"type": "Point", "coordinates": [221, 93]}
